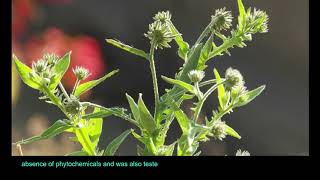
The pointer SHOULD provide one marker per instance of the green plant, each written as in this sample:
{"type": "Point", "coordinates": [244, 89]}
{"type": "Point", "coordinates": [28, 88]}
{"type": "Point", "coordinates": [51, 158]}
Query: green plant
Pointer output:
{"type": "Point", "coordinates": [187, 84]}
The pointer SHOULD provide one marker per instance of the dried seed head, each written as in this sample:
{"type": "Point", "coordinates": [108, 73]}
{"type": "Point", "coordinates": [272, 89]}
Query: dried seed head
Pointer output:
{"type": "Point", "coordinates": [223, 20]}
{"type": "Point", "coordinates": [50, 58]}
{"type": "Point", "coordinates": [219, 129]}
{"type": "Point", "coordinates": [242, 153]}
{"type": "Point", "coordinates": [81, 72]}
{"type": "Point", "coordinates": [163, 17]}
{"type": "Point", "coordinates": [39, 66]}
{"type": "Point", "coordinates": [160, 35]}
{"type": "Point", "coordinates": [234, 79]}
{"type": "Point", "coordinates": [196, 75]}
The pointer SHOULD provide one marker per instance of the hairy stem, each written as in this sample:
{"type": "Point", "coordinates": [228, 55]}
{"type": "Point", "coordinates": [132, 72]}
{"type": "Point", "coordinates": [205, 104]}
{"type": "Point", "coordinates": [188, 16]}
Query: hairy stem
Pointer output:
{"type": "Point", "coordinates": [125, 117]}
{"type": "Point", "coordinates": [201, 101]}
{"type": "Point", "coordinates": [206, 31]}
{"type": "Point", "coordinates": [64, 91]}
{"type": "Point", "coordinates": [154, 78]}
{"type": "Point", "coordinates": [19, 148]}
{"type": "Point", "coordinates": [75, 86]}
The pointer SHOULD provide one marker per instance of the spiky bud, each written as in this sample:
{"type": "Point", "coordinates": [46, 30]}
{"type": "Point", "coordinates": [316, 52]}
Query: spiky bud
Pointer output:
{"type": "Point", "coordinates": [51, 58]}
{"type": "Point", "coordinates": [73, 105]}
{"type": "Point", "coordinates": [159, 34]}
{"type": "Point", "coordinates": [81, 72]}
{"type": "Point", "coordinates": [39, 66]}
{"type": "Point", "coordinates": [222, 20]}
{"type": "Point", "coordinates": [257, 21]}
{"type": "Point", "coordinates": [219, 129]}
{"type": "Point", "coordinates": [242, 153]}
{"type": "Point", "coordinates": [234, 79]}
{"type": "Point", "coordinates": [196, 75]}
{"type": "Point", "coordinates": [163, 17]}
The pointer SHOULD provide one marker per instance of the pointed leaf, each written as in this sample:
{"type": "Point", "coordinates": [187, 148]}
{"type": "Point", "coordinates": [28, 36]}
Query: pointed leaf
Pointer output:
{"type": "Point", "coordinates": [221, 90]}
{"type": "Point", "coordinates": [114, 145]}
{"type": "Point", "coordinates": [60, 68]}
{"type": "Point", "coordinates": [57, 128]}
{"type": "Point", "coordinates": [146, 119]}
{"type": "Point", "coordinates": [249, 96]}
{"type": "Point", "coordinates": [134, 108]}
{"type": "Point", "coordinates": [182, 84]}
{"type": "Point", "coordinates": [205, 52]}
{"type": "Point", "coordinates": [95, 129]}
{"type": "Point", "coordinates": [84, 139]}
{"type": "Point", "coordinates": [183, 46]}
{"type": "Point", "coordinates": [24, 73]}
{"type": "Point", "coordinates": [232, 132]}
{"type": "Point", "coordinates": [242, 15]}
{"type": "Point", "coordinates": [128, 48]}
{"type": "Point", "coordinates": [90, 84]}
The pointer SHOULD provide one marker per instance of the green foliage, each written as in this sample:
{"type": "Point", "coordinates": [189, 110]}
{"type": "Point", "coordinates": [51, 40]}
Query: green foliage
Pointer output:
{"type": "Point", "coordinates": [82, 88]}
{"type": "Point", "coordinates": [46, 74]}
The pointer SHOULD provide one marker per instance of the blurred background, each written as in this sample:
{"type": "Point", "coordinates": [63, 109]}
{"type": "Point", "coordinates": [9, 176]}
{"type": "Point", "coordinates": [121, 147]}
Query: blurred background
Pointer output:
{"type": "Point", "coordinates": [276, 123]}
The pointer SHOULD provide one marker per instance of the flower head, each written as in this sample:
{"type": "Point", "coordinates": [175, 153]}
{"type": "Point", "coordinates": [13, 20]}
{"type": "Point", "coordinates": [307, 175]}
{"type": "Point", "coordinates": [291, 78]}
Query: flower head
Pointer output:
{"type": "Point", "coordinates": [242, 153]}
{"type": "Point", "coordinates": [257, 21]}
{"type": "Point", "coordinates": [222, 19]}
{"type": "Point", "coordinates": [73, 105]}
{"type": "Point", "coordinates": [160, 35]}
{"type": "Point", "coordinates": [196, 75]}
{"type": "Point", "coordinates": [39, 66]}
{"type": "Point", "coordinates": [51, 58]}
{"type": "Point", "coordinates": [234, 79]}
{"type": "Point", "coordinates": [81, 72]}
{"type": "Point", "coordinates": [219, 129]}
{"type": "Point", "coordinates": [163, 17]}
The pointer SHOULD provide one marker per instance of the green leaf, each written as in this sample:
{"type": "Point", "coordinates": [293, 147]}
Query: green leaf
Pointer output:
{"type": "Point", "coordinates": [168, 150]}
{"type": "Point", "coordinates": [232, 132]}
{"type": "Point", "coordinates": [90, 84]}
{"type": "Point", "coordinates": [146, 119]}
{"type": "Point", "coordinates": [242, 15]}
{"type": "Point", "coordinates": [182, 84]}
{"type": "Point", "coordinates": [101, 114]}
{"type": "Point", "coordinates": [60, 68]}
{"type": "Point", "coordinates": [114, 145]}
{"type": "Point", "coordinates": [77, 153]}
{"type": "Point", "coordinates": [247, 97]}
{"type": "Point", "coordinates": [95, 129]}
{"type": "Point", "coordinates": [183, 120]}
{"type": "Point", "coordinates": [128, 48]}
{"type": "Point", "coordinates": [57, 128]}
{"type": "Point", "coordinates": [183, 46]}
{"type": "Point", "coordinates": [221, 90]}
{"type": "Point", "coordinates": [134, 108]}
{"type": "Point", "coordinates": [204, 55]}
{"type": "Point", "coordinates": [84, 139]}
{"type": "Point", "coordinates": [24, 72]}
{"type": "Point", "coordinates": [191, 63]}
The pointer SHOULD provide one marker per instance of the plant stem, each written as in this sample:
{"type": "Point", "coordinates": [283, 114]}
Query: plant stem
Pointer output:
{"type": "Point", "coordinates": [154, 78]}
{"type": "Point", "coordinates": [206, 31]}
{"type": "Point", "coordinates": [75, 86]}
{"type": "Point", "coordinates": [201, 101]}
{"type": "Point", "coordinates": [125, 117]}
{"type": "Point", "coordinates": [64, 91]}
{"type": "Point", "coordinates": [19, 148]}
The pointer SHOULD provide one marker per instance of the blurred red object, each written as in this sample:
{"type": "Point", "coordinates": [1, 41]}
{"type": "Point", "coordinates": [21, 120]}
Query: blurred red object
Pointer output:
{"type": "Point", "coordinates": [22, 13]}
{"type": "Point", "coordinates": [86, 52]}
